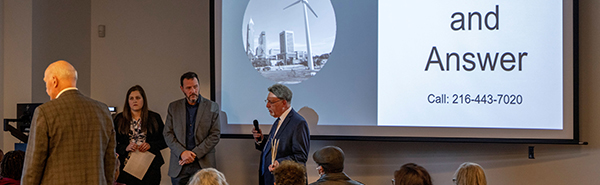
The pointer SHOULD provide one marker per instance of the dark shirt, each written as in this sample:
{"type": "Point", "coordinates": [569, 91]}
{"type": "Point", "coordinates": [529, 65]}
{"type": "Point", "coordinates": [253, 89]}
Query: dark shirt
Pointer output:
{"type": "Point", "coordinates": [191, 110]}
{"type": "Point", "coordinates": [336, 179]}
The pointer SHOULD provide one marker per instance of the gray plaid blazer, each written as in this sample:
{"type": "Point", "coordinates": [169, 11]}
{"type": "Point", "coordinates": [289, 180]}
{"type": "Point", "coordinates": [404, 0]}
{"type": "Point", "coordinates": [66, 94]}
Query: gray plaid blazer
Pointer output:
{"type": "Point", "coordinates": [72, 141]}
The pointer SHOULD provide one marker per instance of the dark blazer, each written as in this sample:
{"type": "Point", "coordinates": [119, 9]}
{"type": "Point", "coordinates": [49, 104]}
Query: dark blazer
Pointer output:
{"type": "Point", "coordinates": [294, 144]}
{"type": "Point", "coordinates": [207, 133]}
{"type": "Point", "coordinates": [72, 141]}
{"type": "Point", "coordinates": [156, 142]}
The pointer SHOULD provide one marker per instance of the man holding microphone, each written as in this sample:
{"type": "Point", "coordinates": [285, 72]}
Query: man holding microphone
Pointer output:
{"type": "Point", "coordinates": [288, 139]}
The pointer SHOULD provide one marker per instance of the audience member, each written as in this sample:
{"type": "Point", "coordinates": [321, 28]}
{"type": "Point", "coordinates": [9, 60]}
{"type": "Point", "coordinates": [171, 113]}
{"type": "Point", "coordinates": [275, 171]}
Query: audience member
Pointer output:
{"type": "Point", "coordinates": [11, 167]}
{"type": "Point", "coordinates": [290, 173]}
{"type": "Point", "coordinates": [469, 173]}
{"type": "Point", "coordinates": [411, 174]}
{"type": "Point", "coordinates": [208, 176]}
{"type": "Point", "coordinates": [331, 167]}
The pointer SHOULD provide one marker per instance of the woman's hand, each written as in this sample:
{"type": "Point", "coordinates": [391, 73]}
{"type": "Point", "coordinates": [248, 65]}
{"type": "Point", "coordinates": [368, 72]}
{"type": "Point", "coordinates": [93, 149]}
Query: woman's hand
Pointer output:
{"type": "Point", "coordinates": [144, 147]}
{"type": "Point", "coordinates": [131, 147]}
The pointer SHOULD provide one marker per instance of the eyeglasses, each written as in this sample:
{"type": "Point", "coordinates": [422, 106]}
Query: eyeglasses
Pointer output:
{"type": "Point", "coordinates": [453, 180]}
{"type": "Point", "coordinates": [393, 182]}
{"type": "Point", "coordinates": [273, 102]}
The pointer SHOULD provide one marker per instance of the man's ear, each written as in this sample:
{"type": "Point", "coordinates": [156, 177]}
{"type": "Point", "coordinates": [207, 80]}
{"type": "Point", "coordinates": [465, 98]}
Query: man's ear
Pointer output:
{"type": "Point", "coordinates": [320, 170]}
{"type": "Point", "coordinates": [285, 102]}
{"type": "Point", "coordinates": [54, 81]}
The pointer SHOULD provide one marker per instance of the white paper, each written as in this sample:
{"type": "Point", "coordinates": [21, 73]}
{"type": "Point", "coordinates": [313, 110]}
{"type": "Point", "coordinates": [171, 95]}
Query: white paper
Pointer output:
{"type": "Point", "coordinates": [138, 163]}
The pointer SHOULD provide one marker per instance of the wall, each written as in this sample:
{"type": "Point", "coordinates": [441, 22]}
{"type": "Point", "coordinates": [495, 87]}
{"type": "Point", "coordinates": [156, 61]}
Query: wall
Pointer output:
{"type": "Point", "coordinates": [36, 34]}
{"type": "Point", "coordinates": [1, 66]}
{"type": "Point", "coordinates": [60, 31]}
{"type": "Point", "coordinates": [17, 60]}
{"type": "Point", "coordinates": [152, 43]}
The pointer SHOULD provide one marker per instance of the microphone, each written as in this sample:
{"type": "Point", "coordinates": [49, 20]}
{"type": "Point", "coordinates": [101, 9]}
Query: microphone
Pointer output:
{"type": "Point", "coordinates": [256, 128]}
{"type": "Point", "coordinates": [256, 125]}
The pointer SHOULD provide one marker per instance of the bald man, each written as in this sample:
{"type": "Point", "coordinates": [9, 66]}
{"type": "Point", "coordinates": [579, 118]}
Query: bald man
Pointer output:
{"type": "Point", "coordinates": [72, 140]}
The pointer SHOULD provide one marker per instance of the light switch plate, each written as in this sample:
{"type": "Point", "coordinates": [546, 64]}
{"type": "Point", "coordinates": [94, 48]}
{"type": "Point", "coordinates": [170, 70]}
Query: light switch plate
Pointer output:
{"type": "Point", "coordinates": [101, 31]}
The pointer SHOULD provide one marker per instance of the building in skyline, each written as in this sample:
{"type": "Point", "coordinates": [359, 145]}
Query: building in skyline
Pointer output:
{"type": "Point", "coordinates": [301, 55]}
{"type": "Point", "coordinates": [250, 39]}
{"type": "Point", "coordinates": [262, 46]}
{"type": "Point", "coordinates": [274, 51]}
{"type": "Point", "coordinates": [286, 45]}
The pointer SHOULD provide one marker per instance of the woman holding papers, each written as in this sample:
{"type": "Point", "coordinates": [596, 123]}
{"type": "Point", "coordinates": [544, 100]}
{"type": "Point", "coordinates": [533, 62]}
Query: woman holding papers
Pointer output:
{"type": "Point", "coordinates": [139, 134]}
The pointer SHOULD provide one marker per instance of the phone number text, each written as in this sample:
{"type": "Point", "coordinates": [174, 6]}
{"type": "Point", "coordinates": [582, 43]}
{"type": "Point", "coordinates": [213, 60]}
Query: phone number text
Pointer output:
{"type": "Point", "coordinates": [505, 99]}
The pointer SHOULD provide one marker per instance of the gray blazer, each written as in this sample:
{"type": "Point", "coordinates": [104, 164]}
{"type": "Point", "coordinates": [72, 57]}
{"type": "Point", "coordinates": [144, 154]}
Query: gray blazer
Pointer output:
{"type": "Point", "coordinates": [207, 133]}
{"type": "Point", "coordinates": [72, 141]}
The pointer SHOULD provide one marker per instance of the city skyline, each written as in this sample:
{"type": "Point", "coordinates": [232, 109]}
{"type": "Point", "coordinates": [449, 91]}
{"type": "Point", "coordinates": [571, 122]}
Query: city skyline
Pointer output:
{"type": "Point", "coordinates": [269, 16]}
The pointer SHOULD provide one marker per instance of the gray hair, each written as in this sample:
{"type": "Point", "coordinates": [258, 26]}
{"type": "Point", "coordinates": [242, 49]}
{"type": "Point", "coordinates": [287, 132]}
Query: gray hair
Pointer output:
{"type": "Point", "coordinates": [208, 176]}
{"type": "Point", "coordinates": [282, 92]}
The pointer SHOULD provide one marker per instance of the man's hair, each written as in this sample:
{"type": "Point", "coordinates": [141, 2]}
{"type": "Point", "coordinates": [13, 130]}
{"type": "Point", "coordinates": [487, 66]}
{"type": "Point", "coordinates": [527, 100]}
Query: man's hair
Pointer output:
{"type": "Point", "coordinates": [282, 92]}
{"type": "Point", "coordinates": [412, 174]}
{"type": "Point", "coordinates": [290, 173]}
{"type": "Point", "coordinates": [188, 75]}
{"type": "Point", "coordinates": [208, 176]}
{"type": "Point", "coordinates": [12, 164]}
{"type": "Point", "coordinates": [470, 173]}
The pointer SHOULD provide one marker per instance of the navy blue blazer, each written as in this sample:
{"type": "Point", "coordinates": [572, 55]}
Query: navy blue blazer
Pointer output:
{"type": "Point", "coordinates": [294, 144]}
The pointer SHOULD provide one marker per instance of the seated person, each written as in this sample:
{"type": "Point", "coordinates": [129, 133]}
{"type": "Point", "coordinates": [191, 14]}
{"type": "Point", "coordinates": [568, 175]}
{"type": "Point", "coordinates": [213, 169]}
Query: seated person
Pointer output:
{"type": "Point", "coordinates": [331, 167]}
{"type": "Point", "coordinates": [290, 173]}
{"type": "Point", "coordinates": [11, 168]}
{"type": "Point", "coordinates": [411, 174]}
{"type": "Point", "coordinates": [469, 173]}
{"type": "Point", "coordinates": [208, 176]}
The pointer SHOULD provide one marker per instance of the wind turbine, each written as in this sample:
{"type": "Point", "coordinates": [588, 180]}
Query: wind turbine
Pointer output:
{"type": "Point", "coordinates": [308, 45]}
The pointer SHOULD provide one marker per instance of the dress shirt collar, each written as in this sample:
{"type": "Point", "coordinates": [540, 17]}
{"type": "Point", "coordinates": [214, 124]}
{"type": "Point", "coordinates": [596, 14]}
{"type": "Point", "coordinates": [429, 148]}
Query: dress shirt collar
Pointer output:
{"type": "Point", "coordinates": [284, 114]}
{"type": "Point", "coordinates": [66, 89]}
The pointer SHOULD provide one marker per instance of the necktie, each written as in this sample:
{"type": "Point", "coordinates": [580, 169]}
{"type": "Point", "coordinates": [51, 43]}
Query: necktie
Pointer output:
{"type": "Point", "coordinates": [267, 149]}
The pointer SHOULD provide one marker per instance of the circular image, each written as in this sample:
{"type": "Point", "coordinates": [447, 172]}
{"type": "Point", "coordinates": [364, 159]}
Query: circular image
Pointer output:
{"type": "Point", "coordinates": [288, 41]}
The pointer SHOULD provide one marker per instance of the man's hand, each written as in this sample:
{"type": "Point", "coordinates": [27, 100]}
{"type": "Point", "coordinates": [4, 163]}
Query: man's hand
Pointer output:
{"type": "Point", "coordinates": [258, 136]}
{"type": "Point", "coordinates": [131, 147]}
{"type": "Point", "coordinates": [144, 147]}
{"type": "Point", "coordinates": [187, 157]}
{"type": "Point", "coordinates": [273, 166]}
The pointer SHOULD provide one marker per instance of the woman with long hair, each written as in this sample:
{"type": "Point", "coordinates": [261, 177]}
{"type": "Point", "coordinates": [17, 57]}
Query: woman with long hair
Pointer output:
{"type": "Point", "coordinates": [139, 130]}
